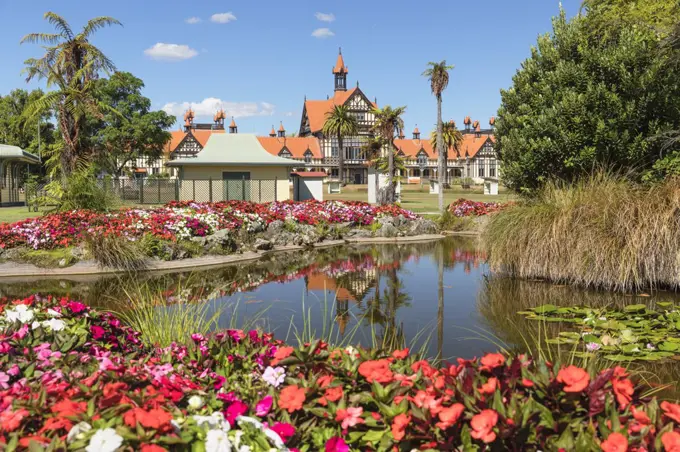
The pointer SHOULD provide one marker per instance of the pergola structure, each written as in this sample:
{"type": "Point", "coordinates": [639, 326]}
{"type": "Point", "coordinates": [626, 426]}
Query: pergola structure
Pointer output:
{"type": "Point", "coordinates": [13, 162]}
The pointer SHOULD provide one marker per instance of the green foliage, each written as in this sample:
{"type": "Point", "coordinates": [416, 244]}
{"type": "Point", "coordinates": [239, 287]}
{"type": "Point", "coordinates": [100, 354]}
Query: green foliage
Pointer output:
{"type": "Point", "coordinates": [387, 121]}
{"type": "Point", "coordinates": [129, 130]}
{"type": "Point", "coordinates": [659, 14]}
{"type": "Point", "coordinates": [83, 191]}
{"type": "Point", "coordinates": [583, 101]}
{"type": "Point", "coordinates": [634, 332]}
{"type": "Point", "coordinates": [18, 130]}
{"type": "Point", "coordinates": [449, 222]}
{"type": "Point", "coordinates": [59, 257]}
{"type": "Point", "coordinates": [340, 123]}
{"type": "Point", "coordinates": [116, 252]}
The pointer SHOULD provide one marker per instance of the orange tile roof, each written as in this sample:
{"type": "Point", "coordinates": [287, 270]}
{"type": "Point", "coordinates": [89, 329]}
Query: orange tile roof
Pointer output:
{"type": "Point", "coordinates": [320, 281]}
{"type": "Point", "coordinates": [296, 145]}
{"type": "Point", "coordinates": [340, 67]}
{"type": "Point", "coordinates": [233, 123]}
{"type": "Point", "coordinates": [470, 146]}
{"type": "Point", "coordinates": [176, 137]}
{"type": "Point", "coordinates": [317, 109]}
{"type": "Point", "coordinates": [281, 129]}
{"type": "Point", "coordinates": [203, 135]}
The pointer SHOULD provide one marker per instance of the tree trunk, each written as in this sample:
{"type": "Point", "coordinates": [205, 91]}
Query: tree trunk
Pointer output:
{"type": "Point", "coordinates": [341, 161]}
{"type": "Point", "coordinates": [440, 153]}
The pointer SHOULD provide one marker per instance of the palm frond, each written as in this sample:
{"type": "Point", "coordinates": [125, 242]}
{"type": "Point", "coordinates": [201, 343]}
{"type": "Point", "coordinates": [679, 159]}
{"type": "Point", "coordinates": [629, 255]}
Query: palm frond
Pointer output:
{"type": "Point", "coordinates": [60, 24]}
{"type": "Point", "coordinates": [98, 23]}
{"type": "Point", "coordinates": [34, 38]}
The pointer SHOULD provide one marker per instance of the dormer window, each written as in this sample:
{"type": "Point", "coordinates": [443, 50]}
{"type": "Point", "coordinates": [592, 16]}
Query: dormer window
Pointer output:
{"type": "Point", "coordinates": [285, 153]}
{"type": "Point", "coordinates": [422, 159]}
{"type": "Point", "coordinates": [308, 156]}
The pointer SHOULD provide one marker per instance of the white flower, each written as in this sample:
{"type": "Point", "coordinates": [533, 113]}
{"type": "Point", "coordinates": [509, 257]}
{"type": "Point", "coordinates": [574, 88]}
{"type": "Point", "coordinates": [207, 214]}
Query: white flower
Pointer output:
{"type": "Point", "coordinates": [77, 431]}
{"type": "Point", "coordinates": [215, 420]}
{"type": "Point", "coordinates": [217, 441]}
{"type": "Point", "coordinates": [351, 352]}
{"type": "Point", "coordinates": [106, 440]}
{"type": "Point", "coordinates": [21, 312]}
{"type": "Point", "coordinates": [55, 324]}
{"type": "Point", "coordinates": [53, 313]}
{"type": "Point", "coordinates": [35, 325]}
{"type": "Point", "coordinates": [274, 375]}
{"type": "Point", "coordinates": [196, 402]}
{"type": "Point", "coordinates": [275, 438]}
{"type": "Point", "coordinates": [249, 420]}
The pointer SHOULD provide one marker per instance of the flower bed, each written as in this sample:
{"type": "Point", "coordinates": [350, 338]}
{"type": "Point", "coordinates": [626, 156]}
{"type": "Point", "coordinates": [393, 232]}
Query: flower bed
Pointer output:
{"type": "Point", "coordinates": [465, 207]}
{"type": "Point", "coordinates": [183, 220]}
{"type": "Point", "coordinates": [77, 379]}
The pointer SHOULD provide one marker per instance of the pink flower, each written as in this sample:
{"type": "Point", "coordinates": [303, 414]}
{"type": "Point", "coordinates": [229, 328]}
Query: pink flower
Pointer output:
{"type": "Point", "coordinates": [235, 410]}
{"type": "Point", "coordinates": [4, 379]}
{"type": "Point", "coordinates": [21, 332]}
{"type": "Point", "coordinates": [285, 431]}
{"type": "Point", "coordinates": [4, 347]}
{"type": "Point", "coordinates": [263, 406]}
{"type": "Point", "coordinates": [97, 332]}
{"type": "Point", "coordinates": [336, 444]}
{"type": "Point", "coordinates": [349, 417]}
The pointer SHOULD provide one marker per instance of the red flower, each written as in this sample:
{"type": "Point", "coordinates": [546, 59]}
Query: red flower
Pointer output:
{"type": "Point", "coordinates": [68, 407]}
{"type": "Point", "coordinates": [449, 416]}
{"type": "Point", "coordinates": [482, 425]}
{"type": "Point", "coordinates": [492, 360]}
{"type": "Point", "coordinates": [623, 389]}
{"type": "Point", "coordinates": [332, 394]}
{"type": "Point", "coordinates": [10, 420]}
{"type": "Point", "coordinates": [400, 354]}
{"type": "Point", "coordinates": [671, 441]}
{"type": "Point", "coordinates": [574, 379]}
{"type": "Point", "coordinates": [281, 354]}
{"type": "Point", "coordinates": [616, 442]}
{"type": "Point", "coordinates": [155, 418]}
{"type": "Point", "coordinates": [291, 398]}
{"type": "Point", "coordinates": [641, 416]}
{"type": "Point", "coordinates": [56, 423]}
{"type": "Point", "coordinates": [527, 383]}
{"type": "Point", "coordinates": [378, 370]}
{"type": "Point", "coordinates": [324, 380]}
{"type": "Point", "coordinates": [489, 387]}
{"type": "Point", "coordinates": [336, 444]}
{"type": "Point", "coordinates": [152, 448]}
{"type": "Point", "coordinates": [672, 410]}
{"type": "Point", "coordinates": [425, 367]}
{"type": "Point", "coordinates": [399, 424]}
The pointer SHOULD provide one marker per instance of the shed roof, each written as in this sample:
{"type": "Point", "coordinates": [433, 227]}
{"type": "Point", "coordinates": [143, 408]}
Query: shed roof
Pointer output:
{"type": "Point", "coordinates": [238, 149]}
{"type": "Point", "coordinates": [310, 174]}
{"type": "Point", "coordinates": [8, 152]}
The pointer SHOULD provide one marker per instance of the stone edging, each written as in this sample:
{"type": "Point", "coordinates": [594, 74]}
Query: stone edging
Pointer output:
{"type": "Point", "coordinates": [14, 269]}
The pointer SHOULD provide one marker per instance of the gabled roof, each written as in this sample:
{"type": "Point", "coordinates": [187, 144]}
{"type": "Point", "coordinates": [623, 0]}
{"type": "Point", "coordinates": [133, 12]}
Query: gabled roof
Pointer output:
{"type": "Point", "coordinates": [177, 136]}
{"type": "Point", "coordinates": [317, 109]}
{"type": "Point", "coordinates": [470, 146]}
{"type": "Point", "coordinates": [238, 149]}
{"type": "Point", "coordinates": [297, 146]}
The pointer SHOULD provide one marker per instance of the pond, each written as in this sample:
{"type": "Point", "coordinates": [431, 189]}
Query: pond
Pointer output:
{"type": "Point", "coordinates": [438, 295]}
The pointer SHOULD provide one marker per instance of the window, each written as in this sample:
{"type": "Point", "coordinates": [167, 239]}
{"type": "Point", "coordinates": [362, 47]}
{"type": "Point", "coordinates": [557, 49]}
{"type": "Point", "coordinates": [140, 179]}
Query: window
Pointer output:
{"type": "Point", "coordinates": [426, 173]}
{"type": "Point", "coordinates": [416, 173]}
{"type": "Point", "coordinates": [492, 169]}
{"type": "Point", "coordinates": [308, 157]}
{"type": "Point", "coordinates": [481, 170]}
{"type": "Point", "coordinates": [334, 151]}
{"type": "Point", "coordinates": [422, 159]}
{"type": "Point", "coordinates": [334, 172]}
{"type": "Point", "coordinates": [285, 154]}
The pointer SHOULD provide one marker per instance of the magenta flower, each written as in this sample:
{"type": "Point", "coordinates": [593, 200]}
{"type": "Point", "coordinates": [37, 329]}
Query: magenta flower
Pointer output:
{"type": "Point", "coordinates": [284, 430]}
{"type": "Point", "coordinates": [235, 410]}
{"type": "Point", "coordinates": [263, 406]}
{"type": "Point", "coordinates": [97, 332]}
{"type": "Point", "coordinates": [336, 444]}
{"type": "Point", "coordinates": [4, 380]}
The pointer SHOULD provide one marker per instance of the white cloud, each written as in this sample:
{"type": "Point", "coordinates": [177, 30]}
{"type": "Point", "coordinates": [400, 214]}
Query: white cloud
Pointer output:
{"type": "Point", "coordinates": [170, 52]}
{"type": "Point", "coordinates": [289, 113]}
{"type": "Point", "coordinates": [193, 20]}
{"type": "Point", "coordinates": [325, 17]}
{"type": "Point", "coordinates": [223, 18]}
{"type": "Point", "coordinates": [322, 33]}
{"type": "Point", "coordinates": [208, 106]}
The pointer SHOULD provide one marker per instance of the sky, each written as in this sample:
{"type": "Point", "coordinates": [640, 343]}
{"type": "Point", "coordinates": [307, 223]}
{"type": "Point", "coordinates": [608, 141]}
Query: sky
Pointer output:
{"type": "Point", "coordinates": [258, 59]}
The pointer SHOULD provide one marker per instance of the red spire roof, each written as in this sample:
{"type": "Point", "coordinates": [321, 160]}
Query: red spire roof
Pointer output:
{"type": "Point", "coordinates": [467, 121]}
{"type": "Point", "coordinates": [340, 67]}
{"type": "Point", "coordinates": [233, 123]}
{"type": "Point", "coordinates": [281, 129]}
{"type": "Point", "coordinates": [273, 132]}
{"type": "Point", "coordinates": [475, 124]}
{"type": "Point", "coordinates": [416, 131]}
{"type": "Point", "coordinates": [492, 121]}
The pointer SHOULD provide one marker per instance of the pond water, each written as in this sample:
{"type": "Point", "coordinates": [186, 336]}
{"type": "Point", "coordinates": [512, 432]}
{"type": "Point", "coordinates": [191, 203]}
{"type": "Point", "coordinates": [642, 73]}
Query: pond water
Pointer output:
{"type": "Point", "coordinates": [438, 295]}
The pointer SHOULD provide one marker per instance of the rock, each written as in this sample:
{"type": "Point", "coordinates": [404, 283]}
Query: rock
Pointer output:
{"type": "Point", "coordinates": [63, 263]}
{"type": "Point", "coordinates": [387, 230]}
{"type": "Point", "coordinates": [220, 239]}
{"type": "Point", "coordinates": [400, 221]}
{"type": "Point", "coordinates": [79, 252]}
{"type": "Point", "coordinates": [306, 235]}
{"type": "Point", "coordinates": [275, 227]}
{"type": "Point", "coordinates": [200, 240]}
{"type": "Point", "coordinates": [358, 233]}
{"type": "Point", "coordinates": [422, 226]}
{"type": "Point", "coordinates": [262, 244]}
{"type": "Point", "coordinates": [386, 220]}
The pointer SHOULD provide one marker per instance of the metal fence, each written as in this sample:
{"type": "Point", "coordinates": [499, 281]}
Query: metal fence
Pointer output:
{"type": "Point", "coordinates": [161, 191]}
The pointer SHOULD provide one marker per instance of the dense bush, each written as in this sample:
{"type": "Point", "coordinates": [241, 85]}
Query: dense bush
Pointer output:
{"type": "Point", "coordinates": [73, 378]}
{"type": "Point", "coordinates": [593, 93]}
{"type": "Point", "coordinates": [602, 232]}
{"type": "Point", "coordinates": [83, 191]}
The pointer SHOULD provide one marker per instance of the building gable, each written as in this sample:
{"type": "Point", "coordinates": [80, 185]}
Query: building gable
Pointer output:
{"type": "Point", "coordinates": [189, 146]}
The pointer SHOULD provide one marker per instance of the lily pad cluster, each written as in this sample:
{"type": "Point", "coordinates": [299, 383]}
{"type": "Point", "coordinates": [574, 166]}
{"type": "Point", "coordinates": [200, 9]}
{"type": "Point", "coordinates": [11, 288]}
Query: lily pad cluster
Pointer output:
{"type": "Point", "coordinates": [634, 332]}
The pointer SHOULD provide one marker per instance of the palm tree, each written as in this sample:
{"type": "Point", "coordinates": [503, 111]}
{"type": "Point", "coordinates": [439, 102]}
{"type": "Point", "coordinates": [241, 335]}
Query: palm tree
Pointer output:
{"type": "Point", "coordinates": [438, 73]}
{"type": "Point", "coordinates": [452, 138]}
{"type": "Point", "coordinates": [71, 64]}
{"type": "Point", "coordinates": [372, 152]}
{"type": "Point", "coordinates": [387, 121]}
{"type": "Point", "coordinates": [340, 123]}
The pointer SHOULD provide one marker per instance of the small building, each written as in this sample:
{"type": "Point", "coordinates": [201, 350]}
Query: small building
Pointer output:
{"type": "Point", "coordinates": [308, 185]}
{"type": "Point", "coordinates": [14, 162]}
{"type": "Point", "coordinates": [233, 166]}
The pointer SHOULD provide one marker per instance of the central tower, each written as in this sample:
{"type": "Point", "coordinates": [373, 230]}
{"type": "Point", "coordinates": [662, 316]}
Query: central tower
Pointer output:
{"type": "Point", "coordinates": [340, 71]}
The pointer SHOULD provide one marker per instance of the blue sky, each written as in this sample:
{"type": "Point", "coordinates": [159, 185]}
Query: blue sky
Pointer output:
{"type": "Point", "coordinates": [260, 58]}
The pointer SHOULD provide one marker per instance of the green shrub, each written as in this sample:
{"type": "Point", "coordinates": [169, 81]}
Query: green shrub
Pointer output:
{"type": "Point", "coordinates": [185, 249]}
{"type": "Point", "coordinates": [116, 252]}
{"type": "Point", "coordinates": [60, 257]}
{"type": "Point", "coordinates": [83, 191]}
{"type": "Point", "coordinates": [153, 246]}
{"type": "Point", "coordinates": [449, 222]}
{"type": "Point", "coordinates": [603, 232]}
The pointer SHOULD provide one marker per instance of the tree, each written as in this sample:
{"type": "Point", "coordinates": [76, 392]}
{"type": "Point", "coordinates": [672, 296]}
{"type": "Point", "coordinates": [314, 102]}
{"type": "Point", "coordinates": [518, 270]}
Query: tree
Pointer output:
{"type": "Point", "coordinates": [16, 129]}
{"type": "Point", "coordinates": [133, 131]}
{"type": "Point", "coordinates": [580, 103]}
{"type": "Point", "coordinates": [452, 138]}
{"type": "Point", "coordinates": [372, 152]}
{"type": "Point", "coordinates": [661, 15]}
{"type": "Point", "coordinates": [340, 123]}
{"type": "Point", "coordinates": [438, 74]}
{"type": "Point", "coordinates": [387, 121]}
{"type": "Point", "coordinates": [71, 64]}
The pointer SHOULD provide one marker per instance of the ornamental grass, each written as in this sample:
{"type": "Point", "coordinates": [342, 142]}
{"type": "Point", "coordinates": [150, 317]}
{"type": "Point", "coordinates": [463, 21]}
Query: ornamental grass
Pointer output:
{"type": "Point", "coordinates": [73, 378]}
{"type": "Point", "coordinates": [603, 232]}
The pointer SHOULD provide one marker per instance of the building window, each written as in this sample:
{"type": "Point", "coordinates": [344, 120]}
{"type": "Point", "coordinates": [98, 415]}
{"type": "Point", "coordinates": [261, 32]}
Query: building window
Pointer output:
{"type": "Point", "coordinates": [426, 172]}
{"type": "Point", "coordinates": [492, 170]}
{"type": "Point", "coordinates": [308, 158]}
{"type": "Point", "coordinates": [481, 170]}
{"type": "Point", "coordinates": [334, 151]}
{"type": "Point", "coordinates": [422, 159]}
{"type": "Point", "coordinates": [416, 173]}
{"type": "Point", "coordinates": [334, 172]}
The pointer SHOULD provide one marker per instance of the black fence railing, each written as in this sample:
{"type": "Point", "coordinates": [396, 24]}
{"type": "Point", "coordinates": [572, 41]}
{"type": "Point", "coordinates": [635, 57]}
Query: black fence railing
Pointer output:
{"type": "Point", "coordinates": [161, 191]}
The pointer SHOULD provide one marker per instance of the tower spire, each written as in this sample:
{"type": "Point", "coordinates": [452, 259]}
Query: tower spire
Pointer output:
{"type": "Point", "coordinates": [340, 72]}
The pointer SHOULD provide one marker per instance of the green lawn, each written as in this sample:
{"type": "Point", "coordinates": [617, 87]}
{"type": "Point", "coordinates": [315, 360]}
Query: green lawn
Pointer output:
{"type": "Point", "coordinates": [420, 200]}
{"type": "Point", "coordinates": [12, 214]}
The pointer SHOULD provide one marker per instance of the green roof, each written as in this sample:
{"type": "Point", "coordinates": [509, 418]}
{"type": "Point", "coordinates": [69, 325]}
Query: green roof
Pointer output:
{"type": "Point", "coordinates": [235, 149]}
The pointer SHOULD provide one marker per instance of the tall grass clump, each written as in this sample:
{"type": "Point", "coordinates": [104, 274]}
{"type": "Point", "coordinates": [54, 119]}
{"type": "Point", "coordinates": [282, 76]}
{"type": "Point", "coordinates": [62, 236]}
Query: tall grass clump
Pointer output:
{"type": "Point", "coordinates": [604, 232]}
{"type": "Point", "coordinates": [116, 252]}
